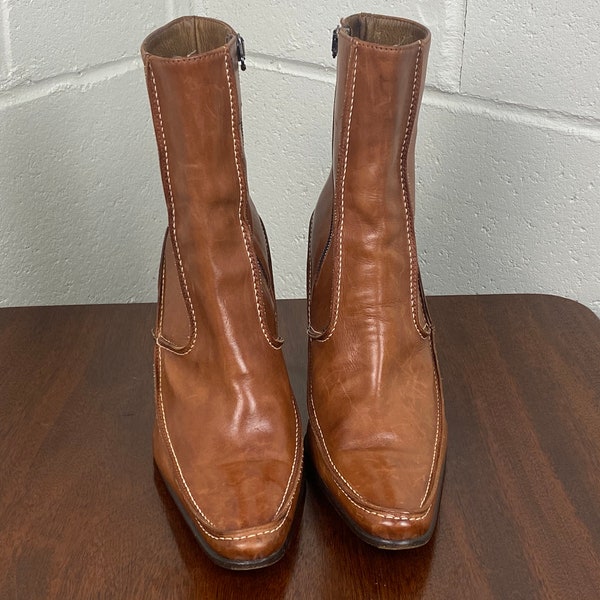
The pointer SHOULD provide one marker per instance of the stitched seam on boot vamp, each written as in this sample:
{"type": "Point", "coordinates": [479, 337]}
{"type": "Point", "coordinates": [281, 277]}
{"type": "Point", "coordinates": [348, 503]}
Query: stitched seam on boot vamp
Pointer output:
{"type": "Point", "coordinates": [322, 438]}
{"type": "Point", "coordinates": [342, 194]}
{"type": "Point", "coordinates": [161, 312]}
{"type": "Point", "coordinates": [404, 184]}
{"type": "Point", "coordinates": [241, 193]}
{"type": "Point", "coordinates": [186, 489]}
{"type": "Point", "coordinates": [163, 419]}
{"type": "Point", "coordinates": [336, 470]}
{"type": "Point", "coordinates": [296, 447]}
{"type": "Point", "coordinates": [171, 203]}
{"type": "Point", "coordinates": [437, 424]}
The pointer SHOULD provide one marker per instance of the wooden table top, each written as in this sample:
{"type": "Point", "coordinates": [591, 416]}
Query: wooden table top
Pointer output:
{"type": "Point", "coordinates": [84, 515]}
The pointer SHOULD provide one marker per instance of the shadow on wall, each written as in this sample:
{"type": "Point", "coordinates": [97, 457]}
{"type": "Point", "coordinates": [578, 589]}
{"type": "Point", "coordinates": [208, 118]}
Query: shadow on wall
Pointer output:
{"type": "Point", "coordinates": [82, 217]}
{"type": "Point", "coordinates": [506, 207]}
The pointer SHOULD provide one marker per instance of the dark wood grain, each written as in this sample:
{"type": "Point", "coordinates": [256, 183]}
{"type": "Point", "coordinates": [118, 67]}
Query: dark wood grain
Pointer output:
{"type": "Point", "coordinates": [83, 513]}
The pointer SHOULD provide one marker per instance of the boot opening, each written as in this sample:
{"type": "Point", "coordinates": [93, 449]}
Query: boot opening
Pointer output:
{"type": "Point", "coordinates": [385, 31]}
{"type": "Point", "coordinates": [188, 36]}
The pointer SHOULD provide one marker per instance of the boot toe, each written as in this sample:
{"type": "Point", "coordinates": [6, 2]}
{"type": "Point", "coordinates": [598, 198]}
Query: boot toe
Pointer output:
{"type": "Point", "coordinates": [397, 524]}
{"type": "Point", "coordinates": [249, 547]}
{"type": "Point", "coordinates": [390, 528]}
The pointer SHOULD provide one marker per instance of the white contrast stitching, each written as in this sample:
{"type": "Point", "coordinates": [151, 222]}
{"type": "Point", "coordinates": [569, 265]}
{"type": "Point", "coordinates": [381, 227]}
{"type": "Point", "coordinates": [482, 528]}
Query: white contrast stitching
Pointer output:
{"type": "Point", "coordinates": [159, 374]}
{"type": "Point", "coordinates": [309, 282]}
{"type": "Point", "coordinates": [403, 179]}
{"type": "Point", "coordinates": [383, 515]}
{"type": "Point", "coordinates": [330, 460]}
{"type": "Point", "coordinates": [325, 445]}
{"type": "Point", "coordinates": [170, 444]}
{"type": "Point", "coordinates": [244, 233]}
{"type": "Point", "coordinates": [253, 535]}
{"type": "Point", "coordinates": [160, 337]}
{"type": "Point", "coordinates": [162, 297]}
{"type": "Point", "coordinates": [342, 191]}
{"type": "Point", "coordinates": [173, 225]}
{"type": "Point", "coordinates": [171, 343]}
{"type": "Point", "coordinates": [412, 295]}
{"type": "Point", "coordinates": [295, 459]}
{"type": "Point", "coordinates": [437, 424]}
{"type": "Point", "coordinates": [187, 489]}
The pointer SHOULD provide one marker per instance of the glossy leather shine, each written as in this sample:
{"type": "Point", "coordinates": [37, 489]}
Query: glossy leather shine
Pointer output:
{"type": "Point", "coordinates": [377, 428]}
{"type": "Point", "coordinates": [227, 437]}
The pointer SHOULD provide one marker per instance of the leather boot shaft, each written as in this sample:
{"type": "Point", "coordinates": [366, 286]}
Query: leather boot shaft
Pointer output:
{"type": "Point", "coordinates": [377, 428]}
{"type": "Point", "coordinates": [216, 236]}
{"type": "Point", "coordinates": [365, 213]}
{"type": "Point", "coordinates": [227, 437]}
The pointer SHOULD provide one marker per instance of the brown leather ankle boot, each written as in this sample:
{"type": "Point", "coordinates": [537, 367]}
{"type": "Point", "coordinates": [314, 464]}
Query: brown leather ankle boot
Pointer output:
{"type": "Point", "coordinates": [227, 437]}
{"type": "Point", "coordinates": [377, 428]}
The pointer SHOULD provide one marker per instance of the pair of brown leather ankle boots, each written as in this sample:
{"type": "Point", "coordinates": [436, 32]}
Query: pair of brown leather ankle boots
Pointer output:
{"type": "Point", "coordinates": [228, 438]}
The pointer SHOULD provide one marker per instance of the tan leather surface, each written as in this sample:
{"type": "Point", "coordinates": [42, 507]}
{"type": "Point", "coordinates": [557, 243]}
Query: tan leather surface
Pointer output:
{"type": "Point", "coordinates": [378, 432]}
{"type": "Point", "coordinates": [227, 438]}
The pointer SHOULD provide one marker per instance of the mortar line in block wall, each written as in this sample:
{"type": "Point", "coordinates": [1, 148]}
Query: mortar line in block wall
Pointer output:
{"type": "Point", "coordinates": [574, 125]}
{"type": "Point", "coordinates": [27, 92]}
{"type": "Point", "coordinates": [541, 118]}
{"type": "Point", "coordinates": [588, 127]}
{"type": "Point", "coordinates": [288, 66]}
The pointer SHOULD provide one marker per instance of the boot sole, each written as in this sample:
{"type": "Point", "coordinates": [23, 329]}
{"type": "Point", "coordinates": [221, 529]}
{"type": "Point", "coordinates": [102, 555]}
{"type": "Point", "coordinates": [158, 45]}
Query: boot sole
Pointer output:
{"type": "Point", "coordinates": [240, 565]}
{"type": "Point", "coordinates": [377, 542]}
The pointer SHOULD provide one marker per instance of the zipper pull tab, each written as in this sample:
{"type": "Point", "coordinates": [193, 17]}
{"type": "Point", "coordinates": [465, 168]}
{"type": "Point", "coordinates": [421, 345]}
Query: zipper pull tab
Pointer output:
{"type": "Point", "coordinates": [334, 42]}
{"type": "Point", "coordinates": [241, 51]}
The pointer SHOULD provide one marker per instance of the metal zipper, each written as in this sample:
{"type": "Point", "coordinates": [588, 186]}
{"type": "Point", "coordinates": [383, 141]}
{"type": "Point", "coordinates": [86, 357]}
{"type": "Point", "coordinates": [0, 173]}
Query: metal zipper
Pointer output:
{"type": "Point", "coordinates": [241, 51]}
{"type": "Point", "coordinates": [335, 39]}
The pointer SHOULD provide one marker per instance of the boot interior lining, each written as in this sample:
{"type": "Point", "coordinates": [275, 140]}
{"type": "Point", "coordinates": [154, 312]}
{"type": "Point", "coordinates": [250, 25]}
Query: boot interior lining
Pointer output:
{"type": "Point", "coordinates": [187, 37]}
{"type": "Point", "coordinates": [384, 30]}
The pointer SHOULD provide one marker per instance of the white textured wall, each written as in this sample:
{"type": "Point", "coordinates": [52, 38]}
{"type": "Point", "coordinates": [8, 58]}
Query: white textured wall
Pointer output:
{"type": "Point", "coordinates": [508, 153]}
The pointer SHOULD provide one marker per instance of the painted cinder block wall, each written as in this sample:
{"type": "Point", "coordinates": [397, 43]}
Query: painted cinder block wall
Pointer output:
{"type": "Point", "coordinates": [508, 178]}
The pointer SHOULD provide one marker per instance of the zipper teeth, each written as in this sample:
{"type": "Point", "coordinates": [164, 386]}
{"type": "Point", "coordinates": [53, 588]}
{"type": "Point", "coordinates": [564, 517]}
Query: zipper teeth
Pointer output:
{"type": "Point", "coordinates": [325, 250]}
{"type": "Point", "coordinates": [262, 225]}
{"type": "Point", "coordinates": [241, 51]}
{"type": "Point", "coordinates": [271, 292]}
{"type": "Point", "coordinates": [334, 42]}
{"type": "Point", "coordinates": [262, 269]}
